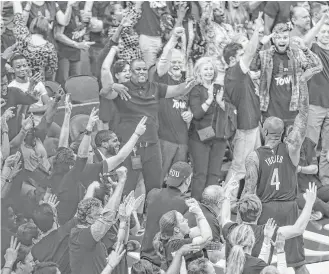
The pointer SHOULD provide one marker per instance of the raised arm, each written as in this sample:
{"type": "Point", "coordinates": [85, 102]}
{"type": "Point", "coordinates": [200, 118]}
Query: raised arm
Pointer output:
{"type": "Point", "coordinates": [64, 18]}
{"type": "Point", "coordinates": [299, 227]}
{"type": "Point", "coordinates": [181, 89]}
{"type": "Point", "coordinates": [27, 124]}
{"type": "Point", "coordinates": [252, 167]}
{"type": "Point", "coordinates": [102, 225]}
{"type": "Point", "coordinates": [65, 131]}
{"type": "Point", "coordinates": [296, 137]}
{"type": "Point", "coordinates": [116, 160]}
{"type": "Point", "coordinates": [310, 35]}
{"type": "Point", "coordinates": [164, 61]}
{"type": "Point", "coordinates": [251, 48]}
{"type": "Point", "coordinates": [226, 206]}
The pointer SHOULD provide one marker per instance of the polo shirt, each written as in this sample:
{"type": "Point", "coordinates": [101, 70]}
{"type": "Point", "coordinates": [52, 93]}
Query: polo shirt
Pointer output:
{"type": "Point", "coordinates": [160, 201]}
{"type": "Point", "coordinates": [145, 101]}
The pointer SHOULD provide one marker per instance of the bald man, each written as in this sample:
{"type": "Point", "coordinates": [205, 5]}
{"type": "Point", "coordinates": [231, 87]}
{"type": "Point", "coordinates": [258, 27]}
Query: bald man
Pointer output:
{"type": "Point", "coordinates": [301, 20]}
{"type": "Point", "coordinates": [272, 175]}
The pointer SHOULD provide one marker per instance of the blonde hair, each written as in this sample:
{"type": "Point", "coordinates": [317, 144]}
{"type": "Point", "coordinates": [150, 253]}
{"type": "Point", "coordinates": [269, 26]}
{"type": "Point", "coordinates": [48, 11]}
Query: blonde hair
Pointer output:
{"type": "Point", "coordinates": [199, 64]}
{"type": "Point", "coordinates": [242, 239]}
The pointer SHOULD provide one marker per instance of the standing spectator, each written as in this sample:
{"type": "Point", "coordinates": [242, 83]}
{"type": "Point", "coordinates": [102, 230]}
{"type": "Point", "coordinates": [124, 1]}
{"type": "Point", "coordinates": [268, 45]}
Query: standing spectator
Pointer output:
{"type": "Point", "coordinates": [161, 201]}
{"type": "Point", "coordinates": [148, 28]}
{"type": "Point", "coordinates": [87, 252]}
{"type": "Point", "coordinates": [70, 43]}
{"type": "Point", "coordinates": [318, 120]}
{"type": "Point", "coordinates": [277, 12]}
{"type": "Point", "coordinates": [301, 21]}
{"type": "Point", "coordinates": [174, 115]}
{"type": "Point", "coordinates": [281, 68]}
{"type": "Point", "coordinates": [237, 15]}
{"type": "Point", "coordinates": [139, 97]}
{"type": "Point", "coordinates": [208, 108]}
{"type": "Point", "coordinates": [33, 45]}
{"type": "Point", "coordinates": [240, 88]}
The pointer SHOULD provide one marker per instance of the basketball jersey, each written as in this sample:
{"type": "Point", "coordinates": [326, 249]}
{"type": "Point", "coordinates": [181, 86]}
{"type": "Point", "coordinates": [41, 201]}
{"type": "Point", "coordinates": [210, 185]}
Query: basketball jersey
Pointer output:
{"type": "Point", "coordinates": [277, 177]}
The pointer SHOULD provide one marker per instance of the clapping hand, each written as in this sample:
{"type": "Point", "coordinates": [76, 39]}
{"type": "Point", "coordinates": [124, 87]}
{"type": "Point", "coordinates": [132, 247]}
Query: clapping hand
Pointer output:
{"type": "Point", "coordinates": [219, 98]}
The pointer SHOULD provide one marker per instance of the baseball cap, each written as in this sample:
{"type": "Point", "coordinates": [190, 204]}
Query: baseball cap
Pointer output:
{"type": "Point", "coordinates": [178, 173]}
{"type": "Point", "coordinates": [274, 125]}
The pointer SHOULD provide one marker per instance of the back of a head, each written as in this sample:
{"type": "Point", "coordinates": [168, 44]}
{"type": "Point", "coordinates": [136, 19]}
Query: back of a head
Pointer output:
{"type": "Point", "coordinates": [102, 136]}
{"type": "Point", "coordinates": [270, 270]}
{"type": "Point", "coordinates": [249, 208]}
{"type": "Point", "coordinates": [26, 233]}
{"type": "Point", "coordinates": [212, 195]}
{"type": "Point", "coordinates": [63, 159]}
{"type": "Point", "coordinates": [142, 267]}
{"type": "Point", "coordinates": [43, 217]}
{"type": "Point", "coordinates": [40, 25]}
{"type": "Point", "coordinates": [242, 239]}
{"type": "Point", "coordinates": [231, 50]}
{"type": "Point", "coordinates": [198, 266]}
{"type": "Point", "coordinates": [85, 208]}
{"type": "Point", "coordinates": [273, 126]}
{"type": "Point", "coordinates": [45, 268]}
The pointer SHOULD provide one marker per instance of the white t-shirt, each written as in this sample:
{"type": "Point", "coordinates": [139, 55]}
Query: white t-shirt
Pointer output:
{"type": "Point", "coordinates": [40, 87]}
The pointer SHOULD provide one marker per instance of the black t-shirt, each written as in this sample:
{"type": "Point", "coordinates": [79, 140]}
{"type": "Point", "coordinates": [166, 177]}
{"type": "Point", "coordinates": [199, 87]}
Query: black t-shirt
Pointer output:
{"type": "Point", "coordinates": [55, 247]}
{"type": "Point", "coordinates": [307, 157]}
{"type": "Point", "coordinates": [319, 83]}
{"type": "Point", "coordinates": [279, 11]}
{"type": "Point", "coordinates": [259, 237]}
{"type": "Point", "coordinates": [280, 89]}
{"type": "Point", "coordinates": [253, 265]}
{"type": "Point", "coordinates": [241, 91]}
{"type": "Point", "coordinates": [172, 127]}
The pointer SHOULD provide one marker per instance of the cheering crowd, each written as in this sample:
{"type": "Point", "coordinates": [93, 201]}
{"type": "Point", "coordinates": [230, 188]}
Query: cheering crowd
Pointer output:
{"type": "Point", "coordinates": [184, 89]}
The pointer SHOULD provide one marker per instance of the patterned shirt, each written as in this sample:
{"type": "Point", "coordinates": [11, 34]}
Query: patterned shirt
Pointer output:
{"type": "Point", "coordinates": [39, 58]}
{"type": "Point", "coordinates": [301, 61]}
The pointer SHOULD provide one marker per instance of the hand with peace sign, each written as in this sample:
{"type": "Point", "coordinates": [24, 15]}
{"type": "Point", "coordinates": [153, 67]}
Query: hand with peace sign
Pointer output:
{"type": "Point", "coordinates": [92, 119]}
{"type": "Point", "coordinates": [259, 23]}
{"type": "Point", "coordinates": [12, 252]}
{"type": "Point", "coordinates": [141, 127]}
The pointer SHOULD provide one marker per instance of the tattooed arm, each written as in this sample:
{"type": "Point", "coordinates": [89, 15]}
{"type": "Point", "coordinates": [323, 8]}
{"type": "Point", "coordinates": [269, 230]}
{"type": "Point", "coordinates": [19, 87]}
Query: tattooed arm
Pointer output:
{"type": "Point", "coordinates": [252, 167]}
{"type": "Point", "coordinates": [296, 137]}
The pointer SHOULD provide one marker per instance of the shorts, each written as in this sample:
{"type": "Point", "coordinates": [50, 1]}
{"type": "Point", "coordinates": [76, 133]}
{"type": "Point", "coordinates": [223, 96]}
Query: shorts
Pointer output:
{"type": "Point", "coordinates": [286, 213]}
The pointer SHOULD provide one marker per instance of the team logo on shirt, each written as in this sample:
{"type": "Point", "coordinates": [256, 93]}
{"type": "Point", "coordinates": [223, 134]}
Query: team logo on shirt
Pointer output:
{"type": "Point", "coordinates": [179, 104]}
{"type": "Point", "coordinates": [280, 81]}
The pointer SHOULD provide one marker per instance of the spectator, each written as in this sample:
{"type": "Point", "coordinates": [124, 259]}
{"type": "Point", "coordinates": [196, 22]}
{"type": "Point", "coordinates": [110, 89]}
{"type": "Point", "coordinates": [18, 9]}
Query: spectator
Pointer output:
{"type": "Point", "coordinates": [148, 28]}
{"type": "Point", "coordinates": [318, 9]}
{"type": "Point", "coordinates": [209, 107]}
{"type": "Point", "coordinates": [241, 90]}
{"type": "Point", "coordinates": [201, 266]}
{"type": "Point", "coordinates": [237, 15]}
{"type": "Point", "coordinates": [301, 21]}
{"type": "Point", "coordinates": [69, 49]}
{"type": "Point", "coordinates": [33, 45]}
{"type": "Point", "coordinates": [173, 228]}
{"type": "Point", "coordinates": [279, 98]}
{"type": "Point", "coordinates": [49, 268]}
{"type": "Point", "coordinates": [277, 12]}
{"type": "Point", "coordinates": [161, 201]}
{"type": "Point", "coordinates": [240, 260]}
{"type": "Point", "coordinates": [87, 252]}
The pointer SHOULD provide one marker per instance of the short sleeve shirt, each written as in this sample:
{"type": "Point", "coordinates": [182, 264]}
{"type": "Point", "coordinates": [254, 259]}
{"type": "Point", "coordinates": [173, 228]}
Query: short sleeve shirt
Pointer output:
{"type": "Point", "coordinates": [145, 101]}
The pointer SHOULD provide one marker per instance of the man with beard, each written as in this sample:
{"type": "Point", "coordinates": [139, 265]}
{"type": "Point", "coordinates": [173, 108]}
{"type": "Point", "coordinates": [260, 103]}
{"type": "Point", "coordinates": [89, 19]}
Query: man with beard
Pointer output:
{"type": "Point", "coordinates": [107, 145]}
{"type": "Point", "coordinates": [281, 68]}
{"type": "Point", "coordinates": [174, 116]}
{"type": "Point", "coordinates": [138, 98]}
{"type": "Point", "coordinates": [301, 21]}
{"type": "Point", "coordinates": [272, 173]}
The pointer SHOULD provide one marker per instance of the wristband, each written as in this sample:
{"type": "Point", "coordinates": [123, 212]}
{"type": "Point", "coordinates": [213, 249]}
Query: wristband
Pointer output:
{"type": "Point", "coordinates": [87, 132]}
{"type": "Point", "coordinates": [137, 134]}
{"type": "Point", "coordinates": [207, 104]}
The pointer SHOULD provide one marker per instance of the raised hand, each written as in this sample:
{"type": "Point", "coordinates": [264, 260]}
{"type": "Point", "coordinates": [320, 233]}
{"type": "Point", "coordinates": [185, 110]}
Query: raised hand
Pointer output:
{"type": "Point", "coordinates": [12, 251]}
{"type": "Point", "coordinates": [9, 113]}
{"type": "Point", "coordinates": [122, 173]}
{"type": "Point", "coordinates": [34, 80]}
{"type": "Point", "coordinates": [13, 159]}
{"type": "Point", "coordinates": [68, 105]}
{"type": "Point", "coordinates": [188, 248]}
{"type": "Point", "coordinates": [127, 20]}
{"type": "Point", "coordinates": [27, 123]}
{"type": "Point", "coordinates": [122, 91]}
{"type": "Point", "coordinates": [138, 202]}
{"type": "Point", "coordinates": [116, 255]}
{"type": "Point", "coordinates": [310, 194]}
{"type": "Point", "coordinates": [259, 23]}
{"type": "Point", "coordinates": [8, 53]}
{"type": "Point", "coordinates": [141, 127]}
{"type": "Point", "coordinates": [15, 169]}
{"type": "Point", "coordinates": [269, 228]}
{"type": "Point", "coordinates": [92, 119]}
{"type": "Point", "coordinates": [182, 9]}
{"type": "Point", "coordinates": [267, 38]}
{"type": "Point", "coordinates": [179, 31]}
{"type": "Point", "coordinates": [194, 206]}
{"type": "Point", "coordinates": [52, 200]}
{"type": "Point", "coordinates": [279, 243]}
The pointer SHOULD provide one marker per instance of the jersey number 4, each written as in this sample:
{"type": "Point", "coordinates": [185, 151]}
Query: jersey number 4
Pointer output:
{"type": "Point", "coordinates": [275, 181]}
